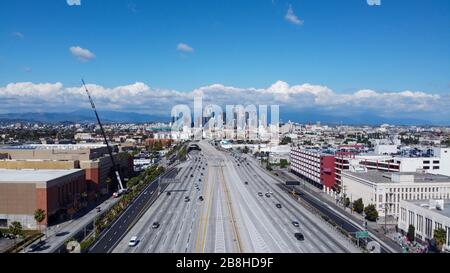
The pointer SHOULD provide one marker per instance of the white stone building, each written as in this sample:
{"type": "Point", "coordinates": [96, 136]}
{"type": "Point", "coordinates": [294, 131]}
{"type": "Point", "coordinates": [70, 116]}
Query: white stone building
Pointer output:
{"type": "Point", "coordinates": [386, 190]}
{"type": "Point", "coordinates": [425, 216]}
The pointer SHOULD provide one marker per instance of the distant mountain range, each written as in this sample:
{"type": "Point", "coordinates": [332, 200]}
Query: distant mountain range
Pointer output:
{"type": "Point", "coordinates": [309, 116]}
{"type": "Point", "coordinates": [82, 116]}
{"type": "Point", "coordinates": [368, 118]}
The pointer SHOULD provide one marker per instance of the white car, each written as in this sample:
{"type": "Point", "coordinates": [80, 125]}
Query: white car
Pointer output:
{"type": "Point", "coordinates": [133, 241]}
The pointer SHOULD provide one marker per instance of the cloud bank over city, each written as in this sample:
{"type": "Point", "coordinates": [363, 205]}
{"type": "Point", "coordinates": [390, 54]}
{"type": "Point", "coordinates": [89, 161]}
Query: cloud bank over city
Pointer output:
{"type": "Point", "coordinates": [142, 98]}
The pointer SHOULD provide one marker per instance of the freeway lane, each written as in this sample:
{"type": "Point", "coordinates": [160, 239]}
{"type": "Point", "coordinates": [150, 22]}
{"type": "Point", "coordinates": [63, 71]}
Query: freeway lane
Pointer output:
{"type": "Point", "coordinates": [118, 228]}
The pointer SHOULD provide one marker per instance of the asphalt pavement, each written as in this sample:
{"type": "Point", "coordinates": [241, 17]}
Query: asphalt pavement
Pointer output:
{"type": "Point", "coordinates": [212, 209]}
{"type": "Point", "coordinates": [115, 232]}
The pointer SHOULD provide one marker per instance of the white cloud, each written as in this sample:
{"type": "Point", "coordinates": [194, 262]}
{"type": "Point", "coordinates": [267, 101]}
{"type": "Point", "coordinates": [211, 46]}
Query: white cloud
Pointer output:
{"type": "Point", "coordinates": [141, 98]}
{"type": "Point", "coordinates": [291, 17]}
{"type": "Point", "coordinates": [184, 47]}
{"type": "Point", "coordinates": [18, 35]}
{"type": "Point", "coordinates": [132, 7]}
{"type": "Point", "coordinates": [81, 53]}
{"type": "Point", "coordinates": [73, 2]}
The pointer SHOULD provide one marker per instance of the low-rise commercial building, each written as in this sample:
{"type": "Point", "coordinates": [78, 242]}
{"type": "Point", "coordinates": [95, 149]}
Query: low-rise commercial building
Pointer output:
{"type": "Point", "coordinates": [386, 190]}
{"type": "Point", "coordinates": [22, 192]}
{"type": "Point", "coordinates": [425, 216]}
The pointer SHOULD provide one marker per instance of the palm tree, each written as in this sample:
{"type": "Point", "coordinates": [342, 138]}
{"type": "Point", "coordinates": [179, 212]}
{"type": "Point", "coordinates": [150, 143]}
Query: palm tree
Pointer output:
{"type": "Point", "coordinates": [39, 216]}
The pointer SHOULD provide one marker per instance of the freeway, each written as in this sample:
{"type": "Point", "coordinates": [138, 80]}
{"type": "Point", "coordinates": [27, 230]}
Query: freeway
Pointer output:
{"type": "Point", "coordinates": [183, 218]}
{"type": "Point", "coordinates": [212, 209]}
{"type": "Point", "coordinates": [332, 211]}
{"type": "Point", "coordinates": [109, 238]}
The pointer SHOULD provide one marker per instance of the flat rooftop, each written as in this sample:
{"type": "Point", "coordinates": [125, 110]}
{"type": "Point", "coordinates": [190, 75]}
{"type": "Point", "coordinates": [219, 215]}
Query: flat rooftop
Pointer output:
{"type": "Point", "coordinates": [376, 176]}
{"type": "Point", "coordinates": [426, 203]}
{"type": "Point", "coordinates": [32, 176]}
{"type": "Point", "coordinates": [54, 146]}
{"type": "Point", "coordinates": [323, 152]}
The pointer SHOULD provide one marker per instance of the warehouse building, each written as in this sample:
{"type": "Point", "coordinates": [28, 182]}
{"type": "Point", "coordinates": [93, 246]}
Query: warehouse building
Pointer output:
{"type": "Point", "coordinates": [93, 158]}
{"type": "Point", "coordinates": [22, 192]}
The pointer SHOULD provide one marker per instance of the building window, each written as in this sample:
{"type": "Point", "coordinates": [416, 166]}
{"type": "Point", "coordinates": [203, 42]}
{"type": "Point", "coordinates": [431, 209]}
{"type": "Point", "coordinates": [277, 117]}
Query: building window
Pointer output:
{"type": "Point", "coordinates": [428, 228]}
{"type": "Point", "coordinates": [448, 235]}
{"type": "Point", "coordinates": [403, 215]}
{"type": "Point", "coordinates": [435, 167]}
{"type": "Point", "coordinates": [426, 162]}
{"type": "Point", "coordinates": [411, 218]}
{"type": "Point", "coordinates": [419, 223]}
{"type": "Point", "coordinates": [436, 162]}
{"type": "Point", "coordinates": [3, 223]}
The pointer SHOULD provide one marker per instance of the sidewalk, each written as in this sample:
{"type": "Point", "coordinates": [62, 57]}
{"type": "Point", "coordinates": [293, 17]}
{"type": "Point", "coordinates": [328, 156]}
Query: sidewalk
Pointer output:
{"type": "Point", "coordinates": [55, 236]}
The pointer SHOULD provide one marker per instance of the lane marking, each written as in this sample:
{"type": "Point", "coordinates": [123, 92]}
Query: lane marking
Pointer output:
{"type": "Point", "coordinates": [233, 219]}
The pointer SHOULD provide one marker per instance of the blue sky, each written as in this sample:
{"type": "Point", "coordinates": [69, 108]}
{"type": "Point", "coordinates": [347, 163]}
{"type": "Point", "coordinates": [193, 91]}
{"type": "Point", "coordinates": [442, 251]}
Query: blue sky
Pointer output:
{"type": "Point", "coordinates": [344, 45]}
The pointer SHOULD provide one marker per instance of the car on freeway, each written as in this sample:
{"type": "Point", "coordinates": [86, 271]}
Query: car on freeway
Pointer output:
{"type": "Point", "coordinates": [168, 193]}
{"type": "Point", "coordinates": [278, 206]}
{"type": "Point", "coordinates": [200, 198]}
{"type": "Point", "coordinates": [133, 241]}
{"type": "Point", "coordinates": [246, 183]}
{"type": "Point", "coordinates": [192, 175]}
{"type": "Point", "coordinates": [267, 194]}
{"type": "Point", "coordinates": [155, 225]}
{"type": "Point", "coordinates": [187, 199]}
{"type": "Point", "coordinates": [260, 194]}
{"type": "Point", "coordinates": [200, 180]}
{"type": "Point", "coordinates": [201, 174]}
{"type": "Point", "coordinates": [36, 247]}
{"type": "Point", "coordinates": [295, 224]}
{"type": "Point", "coordinates": [299, 236]}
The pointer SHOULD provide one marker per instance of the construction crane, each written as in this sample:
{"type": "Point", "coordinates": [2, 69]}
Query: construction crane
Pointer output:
{"type": "Point", "coordinates": [116, 171]}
